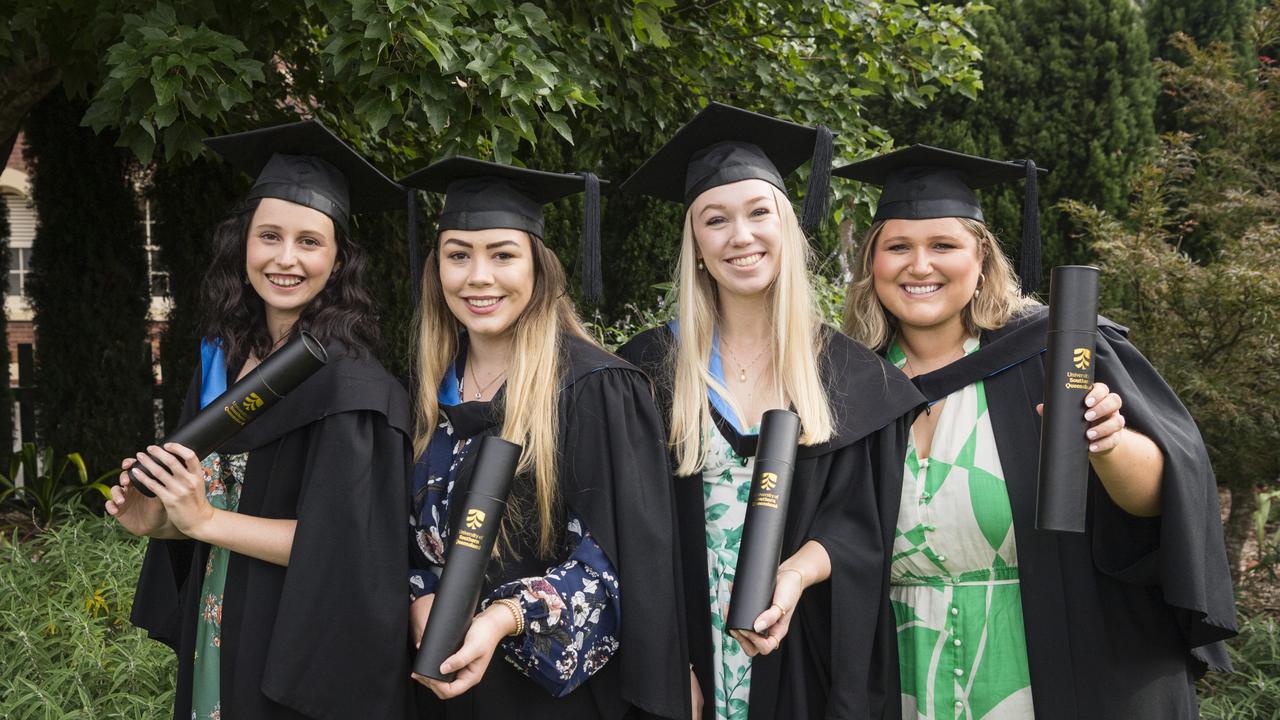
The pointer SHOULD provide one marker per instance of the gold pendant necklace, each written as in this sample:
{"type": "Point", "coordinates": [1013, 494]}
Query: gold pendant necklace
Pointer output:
{"type": "Point", "coordinates": [742, 370]}
{"type": "Point", "coordinates": [481, 390]}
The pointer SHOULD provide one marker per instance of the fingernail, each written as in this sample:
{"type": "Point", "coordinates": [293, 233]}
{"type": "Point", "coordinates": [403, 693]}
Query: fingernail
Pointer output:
{"type": "Point", "coordinates": [1090, 402]}
{"type": "Point", "coordinates": [1093, 448]}
{"type": "Point", "coordinates": [1092, 434]}
{"type": "Point", "coordinates": [759, 627]}
{"type": "Point", "coordinates": [1090, 415]}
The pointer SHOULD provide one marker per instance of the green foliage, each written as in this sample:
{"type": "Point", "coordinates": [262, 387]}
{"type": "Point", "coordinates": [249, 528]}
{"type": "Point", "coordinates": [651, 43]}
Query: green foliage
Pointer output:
{"type": "Point", "coordinates": [46, 494]}
{"type": "Point", "coordinates": [67, 649]}
{"type": "Point", "coordinates": [188, 200]}
{"type": "Point", "coordinates": [1252, 692]}
{"type": "Point", "coordinates": [1206, 21]}
{"type": "Point", "coordinates": [1068, 84]}
{"type": "Point", "coordinates": [88, 288]}
{"type": "Point", "coordinates": [1268, 543]}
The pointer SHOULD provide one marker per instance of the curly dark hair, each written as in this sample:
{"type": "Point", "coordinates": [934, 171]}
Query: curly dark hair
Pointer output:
{"type": "Point", "coordinates": [233, 312]}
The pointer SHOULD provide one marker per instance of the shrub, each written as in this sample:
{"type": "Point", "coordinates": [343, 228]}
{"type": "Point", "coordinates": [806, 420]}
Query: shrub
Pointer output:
{"type": "Point", "coordinates": [67, 649]}
{"type": "Point", "coordinates": [1252, 692]}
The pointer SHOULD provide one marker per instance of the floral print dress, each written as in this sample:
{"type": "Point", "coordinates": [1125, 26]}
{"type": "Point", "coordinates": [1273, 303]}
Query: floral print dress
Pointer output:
{"type": "Point", "coordinates": [572, 613]}
{"type": "Point", "coordinates": [223, 482]}
{"type": "Point", "coordinates": [954, 586]}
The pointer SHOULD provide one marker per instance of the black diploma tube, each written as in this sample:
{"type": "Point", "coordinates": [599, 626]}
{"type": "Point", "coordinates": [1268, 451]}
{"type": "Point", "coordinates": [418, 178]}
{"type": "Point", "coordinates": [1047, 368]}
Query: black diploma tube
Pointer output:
{"type": "Point", "coordinates": [761, 547]}
{"type": "Point", "coordinates": [459, 590]}
{"type": "Point", "coordinates": [1069, 365]}
{"type": "Point", "coordinates": [254, 394]}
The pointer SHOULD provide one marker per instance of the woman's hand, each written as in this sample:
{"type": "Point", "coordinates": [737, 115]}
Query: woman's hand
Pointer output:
{"type": "Point", "coordinates": [180, 486]}
{"type": "Point", "coordinates": [472, 659]}
{"type": "Point", "coordinates": [138, 513]}
{"type": "Point", "coordinates": [772, 624]}
{"type": "Point", "coordinates": [1102, 412]}
{"type": "Point", "coordinates": [419, 611]}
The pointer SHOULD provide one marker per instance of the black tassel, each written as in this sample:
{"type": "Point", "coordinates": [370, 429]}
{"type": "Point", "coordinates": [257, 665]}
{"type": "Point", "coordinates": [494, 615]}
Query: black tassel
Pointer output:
{"type": "Point", "coordinates": [815, 198]}
{"type": "Point", "coordinates": [592, 274]}
{"type": "Point", "coordinates": [415, 261]}
{"type": "Point", "coordinates": [1029, 270]}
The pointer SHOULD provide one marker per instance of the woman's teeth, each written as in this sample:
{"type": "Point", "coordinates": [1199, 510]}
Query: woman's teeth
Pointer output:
{"type": "Point", "coordinates": [747, 260]}
{"type": "Point", "coordinates": [920, 289]}
{"type": "Point", "coordinates": [482, 302]}
{"type": "Point", "coordinates": [284, 281]}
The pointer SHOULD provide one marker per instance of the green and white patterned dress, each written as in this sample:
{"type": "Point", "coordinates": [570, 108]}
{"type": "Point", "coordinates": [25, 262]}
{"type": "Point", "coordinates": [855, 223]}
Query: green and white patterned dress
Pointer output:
{"type": "Point", "coordinates": [222, 485]}
{"type": "Point", "coordinates": [726, 483]}
{"type": "Point", "coordinates": [954, 579]}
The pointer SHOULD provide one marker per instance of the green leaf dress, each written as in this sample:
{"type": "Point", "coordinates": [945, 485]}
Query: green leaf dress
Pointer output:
{"type": "Point", "coordinates": [726, 484]}
{"type": "Point", "coordinates": [954, 578]}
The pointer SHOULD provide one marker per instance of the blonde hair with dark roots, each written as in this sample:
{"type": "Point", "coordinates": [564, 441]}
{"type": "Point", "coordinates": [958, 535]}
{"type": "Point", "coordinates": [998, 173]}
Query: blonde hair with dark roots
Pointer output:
{"type": "Point", "coordinates": [797, 341]}
{"type": "Point", "coordinates": [867, 321]}
{"type": "Point", "coordinates": [530, 411]}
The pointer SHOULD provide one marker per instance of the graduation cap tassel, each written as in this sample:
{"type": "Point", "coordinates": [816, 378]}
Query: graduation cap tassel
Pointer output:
{"type": "Point", "coordinates": [415, 261]}
{"type": "Point", "coordinates": [592, 275]}
{"type": "Point", "coordinates": [1029, 263]}
{"type": "Point", "coordinates": [815, 197]}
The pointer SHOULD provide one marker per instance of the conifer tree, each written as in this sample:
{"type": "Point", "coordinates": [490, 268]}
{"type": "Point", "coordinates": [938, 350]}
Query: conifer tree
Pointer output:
{"type": "Point", "coordinates": [1067, 84]}
{"type": "Point", "coordinates": [88, 288]}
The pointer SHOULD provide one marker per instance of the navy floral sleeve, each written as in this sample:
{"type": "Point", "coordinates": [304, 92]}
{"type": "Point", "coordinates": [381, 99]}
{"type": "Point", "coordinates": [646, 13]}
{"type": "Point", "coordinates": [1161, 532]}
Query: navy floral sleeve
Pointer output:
{"type": "Point", "coordinates": [572, 613]}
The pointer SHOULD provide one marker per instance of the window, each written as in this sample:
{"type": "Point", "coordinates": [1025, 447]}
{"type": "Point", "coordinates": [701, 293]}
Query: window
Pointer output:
{"type": "Point", "coordinates": [22, 231]}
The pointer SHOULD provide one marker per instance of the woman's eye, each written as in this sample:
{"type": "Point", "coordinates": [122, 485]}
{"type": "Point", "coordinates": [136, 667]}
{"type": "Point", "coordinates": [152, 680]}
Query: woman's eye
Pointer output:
{"type": "Point", "coordinates": [457, 256]}
{"type": "Point", "coordinates": [504, 256]}
{"type": "Point", "coordinates": [269, 236]}
{"type": "Point", "coordinates": [944, 246]}
{"type": "Point", "coordinates": [896, 247]}
{"type": "Point", "coordinates": [759, 212]}
{"type": "Point", "coordinates": [717, 220]}
{"type": "Point", "coordinates": [309, 241]}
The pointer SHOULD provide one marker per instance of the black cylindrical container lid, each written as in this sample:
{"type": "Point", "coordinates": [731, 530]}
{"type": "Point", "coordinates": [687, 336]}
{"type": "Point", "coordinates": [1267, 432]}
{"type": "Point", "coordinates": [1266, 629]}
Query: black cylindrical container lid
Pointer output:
{"type": "Point", "coordinates": [1073, 298]}
{"type": "Point", "coordinates": [779, 435]}
{"type": "Point", "coordinates": [495, 466]}
{"type": "Point", "coordinates": [297, 360]}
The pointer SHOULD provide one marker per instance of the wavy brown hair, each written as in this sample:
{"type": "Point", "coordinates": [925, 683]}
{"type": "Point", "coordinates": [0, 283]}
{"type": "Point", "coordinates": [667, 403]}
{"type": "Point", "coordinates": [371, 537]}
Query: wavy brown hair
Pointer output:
{"type": "Point", "coordinates": [236, 315]}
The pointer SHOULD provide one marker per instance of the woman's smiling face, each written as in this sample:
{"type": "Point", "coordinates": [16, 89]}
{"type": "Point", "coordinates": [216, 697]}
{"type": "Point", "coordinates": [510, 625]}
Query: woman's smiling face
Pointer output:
{"type": "Point", "coordinates": [926, 271]}
{"type": "Point", "coordinates": [739, 235]}
{"type": "Point", "coordinates": [487, 277]}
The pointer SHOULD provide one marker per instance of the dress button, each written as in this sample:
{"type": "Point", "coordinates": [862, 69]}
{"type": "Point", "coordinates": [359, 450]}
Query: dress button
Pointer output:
{"type": "Point", "coordinates": [955, 580]}
{"type": "Point", "coordinates": [925, 496]}
{"type": "Point", "coordinates": [959, 704]}
{"type": "Point", "coordinates": [930, 528]}
{"type": "Point", "coordinates": [942, 558]}
{"type": "Point", "coordinates": [956, 642]}
{"type": "Point", "coordinates": [958, 672]}
{"type": "Point", "coordinates": [955, 611]}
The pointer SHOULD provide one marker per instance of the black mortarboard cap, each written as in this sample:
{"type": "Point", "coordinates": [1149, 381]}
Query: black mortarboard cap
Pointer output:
{"type": "Point", "coordinates": [922, 182]}
{"type": "Point", "coordinates": [481, 195]}
{"type": "Point", "coordinates": [723, 144]}
{"type": "Point", "coordinates": [305, 163]}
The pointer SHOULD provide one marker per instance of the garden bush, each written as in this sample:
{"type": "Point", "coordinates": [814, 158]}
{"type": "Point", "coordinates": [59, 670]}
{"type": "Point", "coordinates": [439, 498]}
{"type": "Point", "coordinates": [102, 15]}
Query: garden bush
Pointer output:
{"type": "Point", "coordinates": [67, 649]}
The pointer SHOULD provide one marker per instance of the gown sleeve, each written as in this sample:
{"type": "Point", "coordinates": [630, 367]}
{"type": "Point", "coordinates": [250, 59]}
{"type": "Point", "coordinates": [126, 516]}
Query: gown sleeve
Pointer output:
{"type": "Point", "coordinates": [1181, 552]}
{"type": "Point", "coordinates": [343, 617]}
{"type": "Point", "coordinates": [572, 615]}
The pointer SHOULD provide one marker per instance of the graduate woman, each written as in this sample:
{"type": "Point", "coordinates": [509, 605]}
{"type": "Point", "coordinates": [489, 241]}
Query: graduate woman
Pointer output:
{"type": "Point", "coordinates": [748, 339]}
{"type": "Point", "coordinates": [996, 619]}
{"type": "Point", "coordinates": [275, 566]}
{"type": "Point", "coordinates": [578, 606]}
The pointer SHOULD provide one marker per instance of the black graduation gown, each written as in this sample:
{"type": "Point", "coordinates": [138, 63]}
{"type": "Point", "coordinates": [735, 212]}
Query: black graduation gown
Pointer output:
{"type": "Point", "coordinates": [613, 474]}
{"type": "Point", "coordinates": [1122, 618]}
{"type": "Point", "coordinates": [325, 637]}
{"type": "Point", "coordinates": [825, 664]}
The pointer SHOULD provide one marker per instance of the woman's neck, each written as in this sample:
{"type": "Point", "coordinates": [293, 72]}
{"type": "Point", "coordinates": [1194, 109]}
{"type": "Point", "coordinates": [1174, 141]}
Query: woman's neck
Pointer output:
{"type": "Point", "coordinates": [745, 321]}
{"type": "Point", "coordinates": [488, 355]}
{"type": "Point", "coordinates": [928, 349]}
{"type": "Point", "coordinates": [279, 324]}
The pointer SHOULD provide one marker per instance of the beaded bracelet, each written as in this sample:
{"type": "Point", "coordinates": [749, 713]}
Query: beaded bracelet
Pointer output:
{"type": "Point", "coordinates": [516, 611]}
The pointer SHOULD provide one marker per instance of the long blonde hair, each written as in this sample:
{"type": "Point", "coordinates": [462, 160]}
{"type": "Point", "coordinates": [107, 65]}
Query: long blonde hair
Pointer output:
{"type": "Point", "coordinates": [867, 321]}
{"type": "Point", "coordinates": [530, 410]}
{"type": "Point", "coordinates": [797, 341]}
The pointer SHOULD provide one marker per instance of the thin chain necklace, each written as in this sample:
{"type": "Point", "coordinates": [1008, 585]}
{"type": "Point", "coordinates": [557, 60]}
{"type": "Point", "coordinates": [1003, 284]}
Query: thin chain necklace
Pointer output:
{"type": "Point", "coordinates": [484, 388]}
{"type": "Point", "coordinates": [742, 369]}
